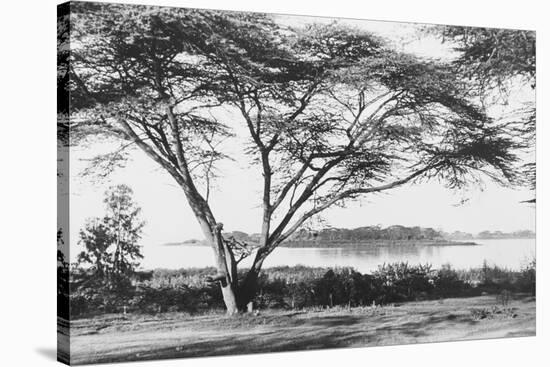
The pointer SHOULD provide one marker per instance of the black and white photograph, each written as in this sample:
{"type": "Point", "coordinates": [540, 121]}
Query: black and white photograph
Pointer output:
{"type": "Point", "coordinates": [235, 182]}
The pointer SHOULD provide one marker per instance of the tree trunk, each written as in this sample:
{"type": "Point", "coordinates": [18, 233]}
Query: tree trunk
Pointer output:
{"type": "Point", "coordinates": [210, 228]}
{"type": "Point", "coordinates": [230, 299]}
{"type": "Point", "coordinates": [227, 271]}
{"type": "Point", "coordinates": [249, 286]}
{"type": "Point", "coordinates": [248, 290]}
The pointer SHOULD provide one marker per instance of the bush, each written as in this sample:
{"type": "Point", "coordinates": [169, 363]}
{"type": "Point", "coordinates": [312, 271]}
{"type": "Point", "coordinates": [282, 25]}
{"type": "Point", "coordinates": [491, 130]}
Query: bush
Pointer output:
{"type": "Point", "coordinates": [528, 278]}
{"type": "Point", "coordinates": [401, 281]}
{"type": "Point", "coordinates": [448, 282]}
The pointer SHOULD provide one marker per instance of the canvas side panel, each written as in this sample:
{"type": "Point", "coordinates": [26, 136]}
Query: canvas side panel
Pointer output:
{"type": "Point", "coordinates": [63, 177]}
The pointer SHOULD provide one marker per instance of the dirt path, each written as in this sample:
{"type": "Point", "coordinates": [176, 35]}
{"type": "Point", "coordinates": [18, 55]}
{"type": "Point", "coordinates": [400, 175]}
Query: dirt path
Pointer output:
{"type": "Point", "coordinates": [116, 338]}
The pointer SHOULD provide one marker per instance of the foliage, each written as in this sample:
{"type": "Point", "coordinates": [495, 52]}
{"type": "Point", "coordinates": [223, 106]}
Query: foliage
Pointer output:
{"type": "Point", "coordinates": [501, 60]}
{"type": "Point", "coordinates": [528, 277]}
{"type": "Point", "coordinates": [494, 56]}
{"type": "Point", "coordinates": [62, 278]}
{"type": "Point", "coordinates": [63, 53]}
{"type": "Point", "coordinates": [448, 281]}
{"type": "Point", "coordinates": [400, 280]}
{"type": "Point", "coordinates": [300, 287]}
{"type": "Point", "coordinates": [111, 243]}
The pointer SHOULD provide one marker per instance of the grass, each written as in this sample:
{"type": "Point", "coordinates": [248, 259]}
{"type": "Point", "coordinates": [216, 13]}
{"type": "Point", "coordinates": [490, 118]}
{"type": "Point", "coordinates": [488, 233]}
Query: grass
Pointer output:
{"type": "Point", "coordinates": [116, 338]}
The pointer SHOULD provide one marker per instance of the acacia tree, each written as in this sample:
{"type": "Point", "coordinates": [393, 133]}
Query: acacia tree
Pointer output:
{"type": "Point", "coordinates": [134, 75]}
{"type": "Point", "coordinates": [332, 114]}
{"type": "Point", "coordinates": [369, 120]}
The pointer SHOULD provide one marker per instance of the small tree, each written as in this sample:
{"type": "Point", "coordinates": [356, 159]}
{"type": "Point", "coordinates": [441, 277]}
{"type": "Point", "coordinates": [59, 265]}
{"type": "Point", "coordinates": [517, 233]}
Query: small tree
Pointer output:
{"type": "Point", "coordinates": [111, 242]}
{"type": "Point", "coordinates": [125, 228]}
{"type": "Point", "coordinates": [95, 239]}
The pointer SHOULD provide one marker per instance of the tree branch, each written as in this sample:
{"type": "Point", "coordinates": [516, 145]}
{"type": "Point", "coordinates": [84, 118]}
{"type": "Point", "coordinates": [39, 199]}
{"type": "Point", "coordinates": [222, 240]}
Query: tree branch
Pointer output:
{"type": "Point", "coordinates": [343, 195]}
{"type": "Point", "coordinates": [290, 183]}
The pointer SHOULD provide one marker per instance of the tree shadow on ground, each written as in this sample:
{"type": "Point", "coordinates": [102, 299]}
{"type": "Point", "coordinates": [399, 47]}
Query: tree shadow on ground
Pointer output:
{"type": "Point", "coordinates": [298, 334]}
{"type": "Point", "coordinates": [417, 329]}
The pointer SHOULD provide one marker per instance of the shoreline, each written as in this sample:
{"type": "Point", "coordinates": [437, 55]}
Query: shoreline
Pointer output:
{"type": "Point", "coordinates": [347, 243]}
{"type": "Point", "coordinates": [361, 243]}
{"type": "Point", "coordinates": [376, 243]}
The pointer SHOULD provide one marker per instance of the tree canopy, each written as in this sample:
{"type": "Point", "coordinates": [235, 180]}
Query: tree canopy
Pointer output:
{"type": "Point", "coordinates": [501, 60]}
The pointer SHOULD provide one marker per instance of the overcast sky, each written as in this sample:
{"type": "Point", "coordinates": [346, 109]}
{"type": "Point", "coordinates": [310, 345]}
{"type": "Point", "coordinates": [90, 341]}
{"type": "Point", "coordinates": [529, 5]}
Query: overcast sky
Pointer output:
{"type": "Point", "coordinates": [236, 199]}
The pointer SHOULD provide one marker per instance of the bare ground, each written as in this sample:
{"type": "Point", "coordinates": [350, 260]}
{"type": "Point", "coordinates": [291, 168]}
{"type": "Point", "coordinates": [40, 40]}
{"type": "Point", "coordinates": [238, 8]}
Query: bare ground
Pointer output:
{"type": "Point", "coordinates": [118, 338]}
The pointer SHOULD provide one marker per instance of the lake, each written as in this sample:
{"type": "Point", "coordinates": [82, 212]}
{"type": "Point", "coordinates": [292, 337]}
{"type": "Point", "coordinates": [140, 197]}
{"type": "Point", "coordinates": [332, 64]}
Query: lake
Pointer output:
{"type": "Point", "coordinates": [509, 253]}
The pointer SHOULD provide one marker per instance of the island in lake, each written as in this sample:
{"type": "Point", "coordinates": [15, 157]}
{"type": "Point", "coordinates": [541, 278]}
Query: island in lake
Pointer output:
{"type": "Point", "coordinates": [395, 235]}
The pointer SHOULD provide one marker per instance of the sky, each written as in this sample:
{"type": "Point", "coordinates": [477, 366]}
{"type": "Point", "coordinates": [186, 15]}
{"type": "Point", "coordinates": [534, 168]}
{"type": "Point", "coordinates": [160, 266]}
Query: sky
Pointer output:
{"type": "Point", "coordinates": [236, 198]}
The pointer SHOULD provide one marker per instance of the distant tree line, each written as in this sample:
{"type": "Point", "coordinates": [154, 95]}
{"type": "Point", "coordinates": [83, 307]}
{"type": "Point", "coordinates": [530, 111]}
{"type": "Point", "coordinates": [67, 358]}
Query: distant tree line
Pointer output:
{"type": "Point", "coordinates": [396, 232]}
{"type": "Point", "coordinates": [367, 233]}
{"type": "Point", "coordinates": [457, 235]}
{"type": "Point", "coordinates": [377, 233]}
{"type": "Point", "coordinates": [500, 234]}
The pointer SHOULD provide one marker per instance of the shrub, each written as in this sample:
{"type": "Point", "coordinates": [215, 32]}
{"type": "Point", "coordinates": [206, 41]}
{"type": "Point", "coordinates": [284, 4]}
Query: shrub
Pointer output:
{"type": "Point", "coordinates": [448, 282]}
{"type": "Point", "coordinates": [401, 281]}
{"type": "Point", "coordinates": [528, 278]}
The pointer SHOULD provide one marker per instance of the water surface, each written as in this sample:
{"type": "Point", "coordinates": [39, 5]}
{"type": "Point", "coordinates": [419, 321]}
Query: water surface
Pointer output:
{"type": "Point", "coordinates": [509, 253]}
